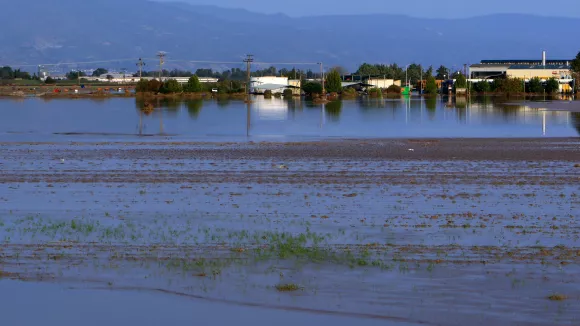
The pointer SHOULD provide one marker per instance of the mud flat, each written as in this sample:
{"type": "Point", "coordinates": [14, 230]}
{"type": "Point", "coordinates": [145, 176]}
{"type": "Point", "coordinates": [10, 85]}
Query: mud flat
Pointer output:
{"type": "Point", "coordinates": [434, 232]}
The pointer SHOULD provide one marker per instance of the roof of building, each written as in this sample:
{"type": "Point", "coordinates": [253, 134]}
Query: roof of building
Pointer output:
{"type": "Point", "coordinates": [273, 86]}
{"type": "Point", "coordinates": [523, 61]}
{"type": "Point", "coordinates": [540, 67]}
{"type": "Point", "coordinates": [480, 65]}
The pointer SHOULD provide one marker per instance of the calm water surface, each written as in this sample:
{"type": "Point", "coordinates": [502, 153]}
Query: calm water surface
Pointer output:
{"type": "Point", "coordinates": [276, 119]}
{"type": "Point", "coordinates": [58, 305]}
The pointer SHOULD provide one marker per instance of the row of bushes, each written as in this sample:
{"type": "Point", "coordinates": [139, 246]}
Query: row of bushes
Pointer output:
{"type": "Point", "coordinates": [193, 85]}
{"type": "Point", "coordinates": [516, 85]}
{"type": "Point", "coordinates": [169, 87]}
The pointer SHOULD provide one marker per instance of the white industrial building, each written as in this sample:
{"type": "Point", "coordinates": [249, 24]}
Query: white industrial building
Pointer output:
{"type": "Point", "coordinates": [382, 83]}
{"type": "Point", "coordinates": [259, 85]}
{"type": "Point", "coordinates": [128, 78]}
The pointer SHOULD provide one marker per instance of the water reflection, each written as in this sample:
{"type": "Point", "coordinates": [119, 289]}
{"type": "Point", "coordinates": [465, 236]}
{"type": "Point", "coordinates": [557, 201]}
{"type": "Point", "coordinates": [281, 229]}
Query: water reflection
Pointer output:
{"type": "Point", "coordinates": [333, 110]}
{"type": "Point", "coordinates": [281, 117]}
{"type": "Point", "coordinates": [575, 117]}
{"type": "Point", "coordinates": [194, 108]}
{"type": "Point", "coordinates": [223, 102]}
{"type": "Point", "coordinates": [431, 103]}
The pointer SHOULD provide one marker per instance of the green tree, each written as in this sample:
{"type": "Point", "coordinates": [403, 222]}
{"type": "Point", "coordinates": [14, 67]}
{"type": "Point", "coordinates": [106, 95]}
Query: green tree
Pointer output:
{"type": "Point", "coordinates": [110, 78]}
{"type": "Point", "coordinates": [429, 72]}
{"type": "Point", "coordinates": [154, 85]}
{"type": "Point", "coordinates": [21, 74]}
{"type": "Point", "coordinates": [6, 73]}
{"type": "Point", "coordinates": [224, 86]}
{"type": "Point", "coordinates": [442, 73]}
{"type": "Point", "coordinates": [394, 89]}
{"type": "Point", "coordinates": [414, 72]}
{"type": "Point", "coordinates": [576, 70]}
{"type": "Point", "coordinates": [333, 82]}
{"type": "Point", "coordinates": [512, 85]}
{"type": "Point", "coordinates": [312, 88]}
{"type": "Point", "coordinates": [552, 86]}
{"type": "Point", "coordinates": [99, 71]}
{"type": "Point", "coordinates": [497, 84]}
{"type": "Point", "coordinates": [171, 86]}
{"type": "Point", "coordinates": [73, 75]}
{"type": "Point", "coordinates": [460, 81]}
{"type": "Point", "coordinates": [392, 71]}
{"type": "Point", "coordinates": [49, 80]}
{"type": "Point", "coordinates": [576, 64]}
{"type": "Point", "coordinates": [431, 86]}
{"type": "Point", "coordinates": [482, 86]}
{"type": "Point", "coordinates": [535, 85]}
{"type": "Point", "coordinates": [193, 85]}
{"type": "Point", "coordinates": [142, 86]}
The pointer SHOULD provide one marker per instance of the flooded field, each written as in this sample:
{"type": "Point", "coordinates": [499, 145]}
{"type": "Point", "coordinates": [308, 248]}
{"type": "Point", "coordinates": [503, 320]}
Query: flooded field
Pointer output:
{"type": "Point", "coordinates": [401, 232]}
{"type": "Point", "coordinates": [278, 119]}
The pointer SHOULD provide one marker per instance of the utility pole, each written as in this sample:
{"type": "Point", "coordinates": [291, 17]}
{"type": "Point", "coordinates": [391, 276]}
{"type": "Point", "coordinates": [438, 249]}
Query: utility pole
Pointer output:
{"type": "Point", "coordinates": [322, 79]}
{"type": "Point", "coordinates": [249, 59]}
{"type": "Point", "coordinates": [124, 71]}
{"type": "Point", "coordinates": [161, 56]}
{"type": "Point", "coordinates": [79, 76]}
{"type": "Point", "coordinates": [140, 64]}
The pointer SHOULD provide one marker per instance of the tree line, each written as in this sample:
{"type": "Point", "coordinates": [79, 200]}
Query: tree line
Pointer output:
{"type": "Point", "coordinates": [235, 74]}
{"type": "Point", "coordinates": [8, 73]}
{"type": "Point", "coordinates": [193, 85]}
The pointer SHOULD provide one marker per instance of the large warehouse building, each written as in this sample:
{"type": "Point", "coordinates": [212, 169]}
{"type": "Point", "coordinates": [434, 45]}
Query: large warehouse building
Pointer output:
{"type": "Point", "coordinates": [525, 69]}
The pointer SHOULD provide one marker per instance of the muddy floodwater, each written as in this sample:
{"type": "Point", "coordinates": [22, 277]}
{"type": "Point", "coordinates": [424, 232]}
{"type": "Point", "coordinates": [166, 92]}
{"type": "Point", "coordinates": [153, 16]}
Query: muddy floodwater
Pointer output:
{"type": "Point", "coordinates": [367, 231]}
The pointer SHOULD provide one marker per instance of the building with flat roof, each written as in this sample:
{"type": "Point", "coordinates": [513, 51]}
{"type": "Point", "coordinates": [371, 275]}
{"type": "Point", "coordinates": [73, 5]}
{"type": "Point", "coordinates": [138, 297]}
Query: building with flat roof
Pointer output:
{"type": "Point", "coordinates": [521, 68]}
{"type": "Point", "coordinates": [543, 72]}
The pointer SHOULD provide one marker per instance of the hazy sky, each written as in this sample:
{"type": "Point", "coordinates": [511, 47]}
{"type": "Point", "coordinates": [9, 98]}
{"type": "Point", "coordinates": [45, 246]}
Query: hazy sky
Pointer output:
{"type": "Point", "coordinates": [418, 8]}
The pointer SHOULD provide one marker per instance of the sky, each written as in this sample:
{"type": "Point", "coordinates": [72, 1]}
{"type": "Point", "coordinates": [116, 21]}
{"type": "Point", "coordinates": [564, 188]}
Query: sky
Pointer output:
{"type": "Point", "coordinates": [417, 8]}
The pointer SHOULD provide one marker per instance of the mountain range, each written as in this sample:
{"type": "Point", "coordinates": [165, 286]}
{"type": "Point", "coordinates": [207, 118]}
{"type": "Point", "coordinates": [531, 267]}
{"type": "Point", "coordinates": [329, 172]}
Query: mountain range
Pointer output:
{"type": "Point", "coordinates": [60, 31]}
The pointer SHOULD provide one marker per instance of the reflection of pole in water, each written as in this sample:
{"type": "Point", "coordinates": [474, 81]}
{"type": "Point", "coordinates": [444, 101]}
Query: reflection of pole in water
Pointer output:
{"type": "Point", "coordinates": [248, 117]}
{"type": "Point", "coordinates": [161, 122]}
{"type": "Point", "coordinates": [422, 100]}
{"type": "Point", "coordinates": [406, 112]}
{"type": "Point", "coordinates": [544, 123]}
{"type": "Point", "coordinates": [322, 113]}
{"type": "Point", "coordinates": [140, 122]}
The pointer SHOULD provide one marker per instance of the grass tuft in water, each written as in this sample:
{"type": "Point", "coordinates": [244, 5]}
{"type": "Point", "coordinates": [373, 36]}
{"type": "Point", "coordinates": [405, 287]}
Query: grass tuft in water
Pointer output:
{"type": "Point", "coordinates": [290, 287]}
{"type": "Point", "coordinates": [557, 297]}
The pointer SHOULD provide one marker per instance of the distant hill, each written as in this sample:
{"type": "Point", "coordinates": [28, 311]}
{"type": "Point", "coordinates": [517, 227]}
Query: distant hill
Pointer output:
{"type": "Point", "coordinates": [72, 30]}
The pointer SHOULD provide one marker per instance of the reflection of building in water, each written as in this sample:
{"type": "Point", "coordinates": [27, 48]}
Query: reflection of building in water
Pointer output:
{"type": "Point", "coordinates": [486, 112]}
{"type": "Point", "coordinates": [270, 108]}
